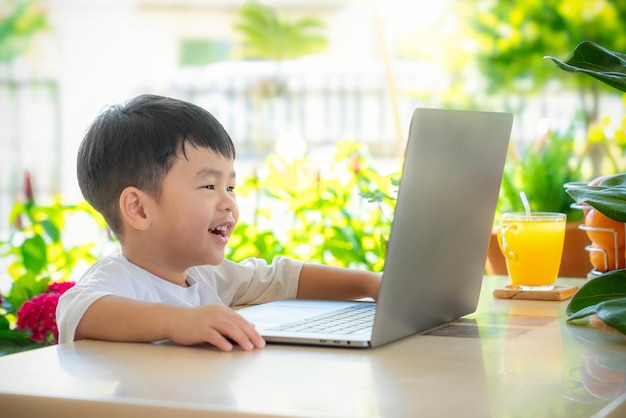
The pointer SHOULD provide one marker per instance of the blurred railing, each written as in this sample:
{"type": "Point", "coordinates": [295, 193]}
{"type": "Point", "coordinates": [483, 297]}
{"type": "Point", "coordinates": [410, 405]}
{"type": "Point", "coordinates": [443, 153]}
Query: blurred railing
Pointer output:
{"type": "Point", "coordinates": [259, 102]}
{"type": "Point", "coordinates": [30, 138]}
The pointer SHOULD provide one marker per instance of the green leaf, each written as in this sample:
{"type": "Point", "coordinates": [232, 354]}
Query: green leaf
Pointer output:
{"type": "Point", "coordinates": [583, 313]}
{"type": "Point", "coordinates": [25, 288]}
{"type": "Point", "coordinates": [611, 285]}
{"type": "Point", "coordinates": [15, 341]}
{"type": "Point", "coordinates": [4, 323]}
{"type": "Point", "coordinates": [51, 229]}
{"type": "Point", "coordinates": [34, 253]}
{"type": "Point", "coordinates": [598, 62]}
{"type": "Point", "coordinates": [615, 180]}
{"type": "Point", "coordinates": [611, 201]}
{"type": "Point", "coordinates": [375, 196]}
{"type": "Point", "coordinates": [613, 313]}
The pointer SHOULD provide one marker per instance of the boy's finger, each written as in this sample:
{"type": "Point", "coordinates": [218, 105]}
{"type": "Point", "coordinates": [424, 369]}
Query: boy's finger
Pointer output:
{"type": "Point", "coordinates": [249, 329]}
{"type": "Point", "coordinates": [217, 339]}
{"type": "Point", "coordinates": [242, 339]}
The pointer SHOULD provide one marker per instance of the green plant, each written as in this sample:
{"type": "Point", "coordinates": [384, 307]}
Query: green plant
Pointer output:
{"type": "Point", "coordinates": [19, 21]}
{"type": "Point", "coordinates": [509, 38]}
{"type": "Point", "coordinates": [540, 171]}
{"type": "Point", "coordinates": [40, 268]}
{"type": "Point", "coordinates": [317, 216]}
{"type": "Point", "coordinates": [604, 296]}
{"type": "Point", "coordinates": [264, 35]}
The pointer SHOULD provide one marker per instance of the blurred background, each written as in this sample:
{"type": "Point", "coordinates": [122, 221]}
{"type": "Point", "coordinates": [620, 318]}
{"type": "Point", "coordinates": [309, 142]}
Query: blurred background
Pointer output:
{"type": "Point", "coordinates": [296, 77]}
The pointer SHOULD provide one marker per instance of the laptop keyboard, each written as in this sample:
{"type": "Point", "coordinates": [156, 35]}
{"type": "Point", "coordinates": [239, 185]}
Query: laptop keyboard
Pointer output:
{"type": "Point", "coordinates": [350, 320]}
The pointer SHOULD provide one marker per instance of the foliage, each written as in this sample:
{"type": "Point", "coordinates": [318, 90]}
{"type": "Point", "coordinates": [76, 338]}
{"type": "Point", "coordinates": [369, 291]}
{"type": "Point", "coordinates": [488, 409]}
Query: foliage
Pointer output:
{"type": "Point", "coordinates": [598, 62]}
{"type": "Point", "coordinates": [39, 261]}
{"type": "Point", "coordinates": [265, 35]}
{"type": "Point", "coordinates": [513, 36]}
{"type": "Point", "coordinates": [608, 197]}
{"type": "Point", "coordinates": [608, 66]}
{"type": "Point", "coordinates": [19, 20]}
{"type": "Point", "coordinates": [605, 297]}
{"type": "Point", "coordinates": [540, 172]}
{"type": "Point", "coordinates": [323, 217]}
{"type": "Point", "coordinates": [510, 38]}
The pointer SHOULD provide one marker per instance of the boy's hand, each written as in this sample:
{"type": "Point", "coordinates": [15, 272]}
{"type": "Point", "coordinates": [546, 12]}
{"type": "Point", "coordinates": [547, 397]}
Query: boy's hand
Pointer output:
{"type": "Point", "coordinates": [214, 324]}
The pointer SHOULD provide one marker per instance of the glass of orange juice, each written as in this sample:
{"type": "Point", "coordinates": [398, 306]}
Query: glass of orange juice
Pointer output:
{"type": "Point", "coordinates": [532, 245]}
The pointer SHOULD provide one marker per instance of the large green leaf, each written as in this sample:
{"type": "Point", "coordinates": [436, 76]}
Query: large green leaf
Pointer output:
{"type": "Point", "coordinates": [611, 202]}
{"type": "Point", "coordinates": [613, 313]}
{"type": "Point", "coordinates": [598, 62]}
{"type": "Point", "coordinates": [609, 197]}
{"type": "Point", "coordinates": [609, 286]}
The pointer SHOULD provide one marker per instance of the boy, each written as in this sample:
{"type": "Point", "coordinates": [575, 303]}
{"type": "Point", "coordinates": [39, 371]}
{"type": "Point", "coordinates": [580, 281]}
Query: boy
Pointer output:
{"type": "Point", "coordinates": [160, 171]}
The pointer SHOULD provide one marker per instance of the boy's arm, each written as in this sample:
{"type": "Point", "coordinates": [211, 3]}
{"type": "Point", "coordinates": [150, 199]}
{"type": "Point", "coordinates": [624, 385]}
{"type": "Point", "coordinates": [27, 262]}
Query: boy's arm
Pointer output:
{"type": "Point", "coordinates": [115, 318]}
{"type": "Point", "coordinates": [324, 282]}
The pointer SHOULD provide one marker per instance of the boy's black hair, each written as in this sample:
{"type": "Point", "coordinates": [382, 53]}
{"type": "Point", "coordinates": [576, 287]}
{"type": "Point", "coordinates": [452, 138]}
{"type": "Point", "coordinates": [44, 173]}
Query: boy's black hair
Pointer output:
{"type": "Point", "coordinates": [135, 143]}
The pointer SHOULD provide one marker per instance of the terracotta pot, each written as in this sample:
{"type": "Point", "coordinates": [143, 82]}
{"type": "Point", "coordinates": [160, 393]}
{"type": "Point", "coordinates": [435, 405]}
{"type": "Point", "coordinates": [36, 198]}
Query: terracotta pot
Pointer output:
{"type": "Point", "coordinates": [575, 261]}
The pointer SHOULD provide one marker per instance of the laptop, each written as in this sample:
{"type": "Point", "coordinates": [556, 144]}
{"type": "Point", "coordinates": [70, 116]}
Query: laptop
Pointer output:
{"type": "Point", "coordinates": [436, 252]}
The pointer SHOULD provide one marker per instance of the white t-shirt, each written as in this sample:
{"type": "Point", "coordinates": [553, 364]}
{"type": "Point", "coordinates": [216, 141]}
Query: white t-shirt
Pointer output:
{"type": "Point", "coordinates": [251, 281]}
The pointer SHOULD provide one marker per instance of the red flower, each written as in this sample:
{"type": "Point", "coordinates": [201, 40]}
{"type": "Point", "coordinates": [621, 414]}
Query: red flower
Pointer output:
{"type": "Point", "coordinates": [38, 315]}
{"type": "Point", "coordinates": [59, 287]}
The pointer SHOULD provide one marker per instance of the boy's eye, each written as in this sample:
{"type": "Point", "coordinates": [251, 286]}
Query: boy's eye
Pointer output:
{"type": "Point", "coordinates": [212, 187]}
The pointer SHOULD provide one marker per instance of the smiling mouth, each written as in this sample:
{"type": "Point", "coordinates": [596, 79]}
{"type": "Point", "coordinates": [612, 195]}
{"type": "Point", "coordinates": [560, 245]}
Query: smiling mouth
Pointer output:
{"type": "Point", "coordinates": [221, 230]}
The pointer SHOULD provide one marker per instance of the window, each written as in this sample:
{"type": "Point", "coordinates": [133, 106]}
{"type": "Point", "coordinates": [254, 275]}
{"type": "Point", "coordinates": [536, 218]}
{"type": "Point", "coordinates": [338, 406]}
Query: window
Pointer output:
{"type": "Point", "coordinates": [198, 52]}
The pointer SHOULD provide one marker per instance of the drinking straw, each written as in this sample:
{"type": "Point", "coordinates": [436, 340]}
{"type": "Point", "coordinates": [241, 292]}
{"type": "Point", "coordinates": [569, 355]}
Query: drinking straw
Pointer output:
{"type": "Point", "coordinates": [522, 195]}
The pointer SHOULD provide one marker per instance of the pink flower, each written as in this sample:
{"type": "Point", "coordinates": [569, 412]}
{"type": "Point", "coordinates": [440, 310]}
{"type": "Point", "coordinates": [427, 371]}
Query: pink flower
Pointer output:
{"type": "Point", "coordinates": [38, 315]}
{"type": "Point", "coordinates": [59, 287]}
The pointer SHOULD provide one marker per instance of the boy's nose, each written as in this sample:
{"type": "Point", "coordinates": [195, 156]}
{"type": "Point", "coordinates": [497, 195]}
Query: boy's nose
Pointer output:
{"type": "Point", "coordinates": [228, 203]}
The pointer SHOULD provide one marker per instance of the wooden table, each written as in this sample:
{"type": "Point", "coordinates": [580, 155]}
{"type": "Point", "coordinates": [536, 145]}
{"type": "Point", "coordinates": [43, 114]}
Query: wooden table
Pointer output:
{"type": "Point", "coordinates": [509, 358]}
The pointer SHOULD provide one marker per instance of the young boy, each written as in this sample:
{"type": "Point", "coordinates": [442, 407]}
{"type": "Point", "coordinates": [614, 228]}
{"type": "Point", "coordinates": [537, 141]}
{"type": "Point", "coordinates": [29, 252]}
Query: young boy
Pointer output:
{"type": "Point", "coordinates": [161, 173]}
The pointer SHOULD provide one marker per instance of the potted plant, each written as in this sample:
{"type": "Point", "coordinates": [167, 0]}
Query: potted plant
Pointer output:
{"type": "Point", "coordinates": [602, 299]}
{"type": "Point", "coordinates": [540, 170]}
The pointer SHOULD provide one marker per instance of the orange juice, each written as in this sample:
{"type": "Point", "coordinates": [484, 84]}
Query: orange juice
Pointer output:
{"type": "Point", "coordinates": [532, 247]}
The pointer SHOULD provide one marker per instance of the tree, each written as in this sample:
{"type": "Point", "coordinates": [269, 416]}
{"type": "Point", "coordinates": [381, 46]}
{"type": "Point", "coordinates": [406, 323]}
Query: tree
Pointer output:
{"type": "Point", "coordinates": [266, 36]}
{"type": "Point", "coordinates": [19, 21]}
{"type": "Point", "coordinates": [513, 37]}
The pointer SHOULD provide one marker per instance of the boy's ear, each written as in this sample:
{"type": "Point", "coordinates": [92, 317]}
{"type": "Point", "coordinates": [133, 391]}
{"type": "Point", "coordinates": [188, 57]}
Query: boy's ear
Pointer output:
{"type": "Point", "coordinates": [132, 208]}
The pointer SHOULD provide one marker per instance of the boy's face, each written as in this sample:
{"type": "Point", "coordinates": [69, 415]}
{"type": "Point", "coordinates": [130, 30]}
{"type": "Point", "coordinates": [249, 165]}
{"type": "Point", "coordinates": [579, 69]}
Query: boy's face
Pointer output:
{"type": "Point", "coordinates": [197, 211]}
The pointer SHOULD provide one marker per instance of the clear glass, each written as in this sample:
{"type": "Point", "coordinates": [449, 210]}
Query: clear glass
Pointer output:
{"type": "Point", "coordinates": [532, 247]}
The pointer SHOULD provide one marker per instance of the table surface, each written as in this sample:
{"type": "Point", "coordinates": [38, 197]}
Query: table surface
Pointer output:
{"type": "Point", "coordinates": [509, 358]}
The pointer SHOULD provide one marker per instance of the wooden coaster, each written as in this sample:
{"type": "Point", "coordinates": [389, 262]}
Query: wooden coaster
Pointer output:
{"type": "Point", "coordinates": [558, 293]}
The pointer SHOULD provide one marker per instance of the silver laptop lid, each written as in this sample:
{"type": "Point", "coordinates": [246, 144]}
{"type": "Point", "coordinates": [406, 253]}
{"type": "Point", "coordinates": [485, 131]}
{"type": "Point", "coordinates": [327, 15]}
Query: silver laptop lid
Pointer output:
{"type": "Point", "coordinates": [443, 219]}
